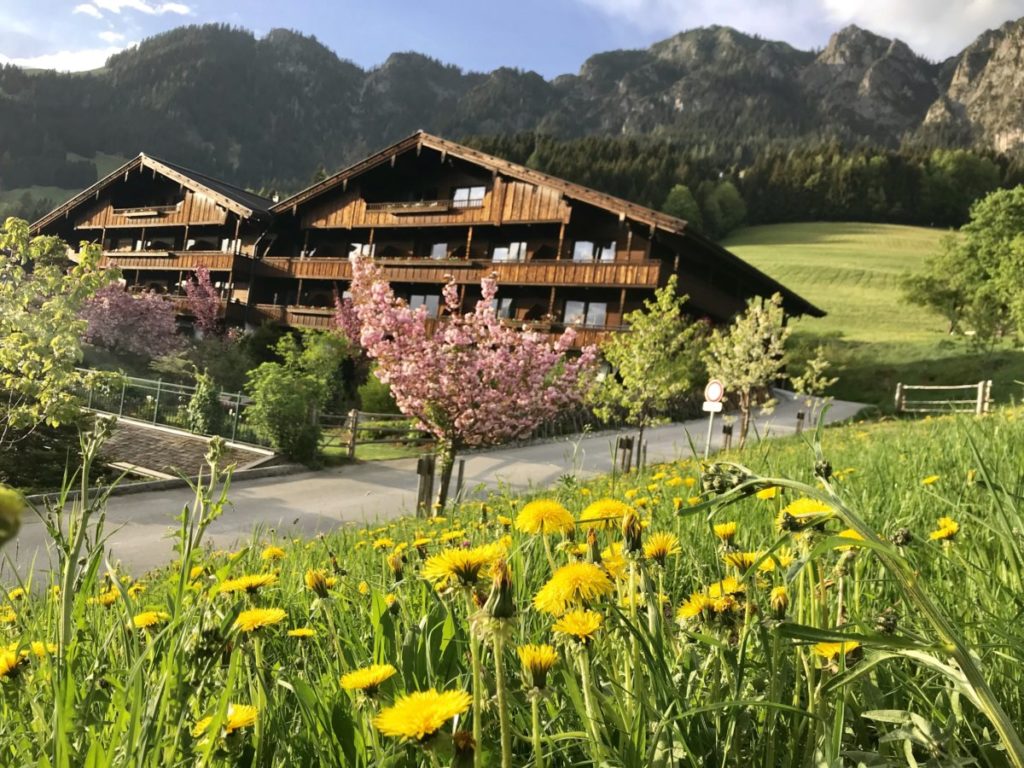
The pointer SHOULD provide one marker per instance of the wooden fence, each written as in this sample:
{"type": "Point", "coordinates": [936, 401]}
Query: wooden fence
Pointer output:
{"type": "Point", "coordinates": [363, 428]}
{"type": "Point", "coordinates": [977, 398]}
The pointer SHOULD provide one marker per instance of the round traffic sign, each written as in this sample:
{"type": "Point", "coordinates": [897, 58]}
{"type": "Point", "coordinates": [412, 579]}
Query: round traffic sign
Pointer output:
{"type": "Point", "coordinates": [714, 391]}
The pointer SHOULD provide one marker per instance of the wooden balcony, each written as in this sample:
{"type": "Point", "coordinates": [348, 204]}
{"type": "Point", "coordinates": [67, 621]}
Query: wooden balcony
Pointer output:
{"type": "Point", "coordinates": [215, 261]}
{"type": "Point", "coordinates": [548, 273]}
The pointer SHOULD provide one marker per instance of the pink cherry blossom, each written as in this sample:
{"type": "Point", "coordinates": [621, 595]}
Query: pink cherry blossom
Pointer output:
{"type": "Point", "coordinates": [203, 301]}
{"type": "Point", "coordinates": [137, 323]}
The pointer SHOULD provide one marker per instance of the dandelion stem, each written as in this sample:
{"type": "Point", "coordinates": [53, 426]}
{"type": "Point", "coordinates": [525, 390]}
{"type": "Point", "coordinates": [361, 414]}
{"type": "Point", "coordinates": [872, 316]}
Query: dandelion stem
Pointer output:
{"type": "Point", "coordinates": [538, 749]}
{"type": "Point", "coordinates": [474, 654]}
{"type": "Point", "coordinates": [499, 682]}
{"type": "Point", "coordinates": [591, 709]}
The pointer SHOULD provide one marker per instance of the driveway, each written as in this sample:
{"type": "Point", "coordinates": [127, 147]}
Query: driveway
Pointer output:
{"type": "Point", "coordinates": [308, 503]}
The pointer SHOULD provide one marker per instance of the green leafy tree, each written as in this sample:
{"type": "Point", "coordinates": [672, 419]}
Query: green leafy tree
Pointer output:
{"type": "Point", "coordinates": [681, 203]}
{"type": "Point", "coordinates": [977, 280]}
{"type": "Point", "coordinates": [204, 414]}
{"type": "Point", "coordinates": [654, 365]}
{"type": "Point", "coordinates": [40, 329]}
{"type": "Point", "coordinates": [289, 395]}
{"type": "Point", "coordinates": [811, 383]}
{"type": "Point", "coordinates": [750, 355]}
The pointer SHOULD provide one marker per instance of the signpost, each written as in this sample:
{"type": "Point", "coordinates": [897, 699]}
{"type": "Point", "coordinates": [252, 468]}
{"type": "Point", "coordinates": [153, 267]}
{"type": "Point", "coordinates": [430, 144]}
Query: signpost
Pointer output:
{"type": "Point", "coordinates": [713, 394]}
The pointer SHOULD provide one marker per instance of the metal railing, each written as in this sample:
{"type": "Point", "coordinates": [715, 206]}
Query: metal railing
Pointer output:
{"type": "Point", "coordinates": [165, 403]}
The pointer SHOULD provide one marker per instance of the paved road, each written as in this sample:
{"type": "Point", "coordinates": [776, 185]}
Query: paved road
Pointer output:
{"type": "Point", "coordinates": [308, 503]}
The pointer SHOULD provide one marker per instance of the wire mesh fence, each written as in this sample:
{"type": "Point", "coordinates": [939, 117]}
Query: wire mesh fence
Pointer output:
{"type": "Point", "coordinates": [166, 403]}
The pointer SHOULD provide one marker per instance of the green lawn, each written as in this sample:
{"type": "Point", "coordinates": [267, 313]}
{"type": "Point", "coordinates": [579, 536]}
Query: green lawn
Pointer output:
{"type": "Point", "coordinates": [872, 335]}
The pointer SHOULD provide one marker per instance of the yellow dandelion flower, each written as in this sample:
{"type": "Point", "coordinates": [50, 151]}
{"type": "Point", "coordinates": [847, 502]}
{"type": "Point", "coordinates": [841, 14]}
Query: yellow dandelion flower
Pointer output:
{"type": "Point", "coordinates": [767, 494]}
{"type": "Point", "coordinates": [806, 506]}
{"type": "Point", "coordinates": [38, 649]}
{"type": "Point", "coordinates": [604, 513]}
{"type": "Point", "coordinates": [689, 482]}
{"type": "Point", "coordinates": [272, 554]}
{"type": "Point", "coordinates": [302, 632]}
{"type": "Point", "coordinates": [778, 599]}
{"type": "Point", "coordinates": [148, 619]}
{"type": "Point", "coordinates": [782, 557]}
{"type": "Point", "coordinates": [537, 661]}
{"type": "Point", "coordinates": [741, 560]}
{"type": "Point", "coordinates": [724, 604]}
{"type": "Point", "coordinates": [195, 572]}
{"type": "Point", "coordinates": [582, 625]}
{"type": "Point", "coordinates": [450, 536]}
{"type": "Point", "coordinates": [384, 543]}
{"type": "Point", "coordinates": [832, 650]}
{"type": "Point", "coordinates": [660, 475]}
{"type": "Point", "coordinates": [16, 594]}
{"type": "Point", "coordinates": [726, 531]}
{"type": "Point", "coordinates": [419, 715]}
{"type": "Point", "coordinates": [8, 616]}
{"type": "Point", "coordinates": [544, 516]}
{"type": "Point", "coordinates": [674, 482]}
{"type": "Point", "coordinates": [258, 618]}
{"type": "Point", "coordinates": [947, 530]}
{"type": "Point", "coordinates": [930, 480]}
{"type": "Point", "coordinates": [249, 583]}
{"type": "Point", "coordinates": [697, 604]}
{"type": "Point", "coordinates": [849, 533]}
{"type": "Point", "coordinates": [364, 588]}
{"type": "Point", "coordinates": [237, 717]}
{"type": "Point", "coordinates": [614, 562]}
{"type": "Point", "coordinates": [727, 586]}
{"type": "Point", "coordinates": [368, 679]}
{"type": "Point", "coordinates": [570, 585]}
{"type": "Point", "coordinates": [316, 581]}
{"type": "Point", "coordinates": [505, 520]}
{"type": "Point", "coordinates": [801, 514]}
{"type": "Point", "coordinates": [9, 663]}
{"type": "Point", "coordinates": [462, 565]}
{"type": "Point", "coordinates": [660, 545]}
{"type": "Point", "coordinates": [107, 598]}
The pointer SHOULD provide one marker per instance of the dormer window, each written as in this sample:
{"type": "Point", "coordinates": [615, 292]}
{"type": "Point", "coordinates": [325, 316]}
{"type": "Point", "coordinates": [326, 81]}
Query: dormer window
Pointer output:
{"type": "Point", "coordinates": [468, 197]}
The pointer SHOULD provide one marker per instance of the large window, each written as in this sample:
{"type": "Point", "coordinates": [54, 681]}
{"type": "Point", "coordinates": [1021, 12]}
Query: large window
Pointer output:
{"type": "Point", "coordinates": [361, 249]}
{"type": "Point", "coordinates": [431, 302]}
{"type": "Point", "coordinates": [468, 197]}
{"type": "Point", "coordinates": [439, 251]}
{"type": "Point", "coordinates": [511, 252]}
{"type": "Point", "coordinates": [593, 314]}
{"type": "Point", "coordinates": [588, 250]}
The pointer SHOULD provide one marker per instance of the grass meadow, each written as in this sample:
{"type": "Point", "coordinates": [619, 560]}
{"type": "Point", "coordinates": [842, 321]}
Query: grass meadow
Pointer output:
{"type": "Point", "coordinates": [768, 610]}
{"type": "Point", "coordinates": [871, 334]}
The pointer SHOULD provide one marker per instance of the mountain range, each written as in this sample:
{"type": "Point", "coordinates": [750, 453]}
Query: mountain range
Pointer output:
{"type": "Point", "coordinates": [269, 112]}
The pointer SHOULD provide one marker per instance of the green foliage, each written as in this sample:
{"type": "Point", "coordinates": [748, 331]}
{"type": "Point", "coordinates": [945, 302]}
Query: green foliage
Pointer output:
{"type": "Point", "coordinates": [204, 414]}
{"type": "Point", "coordinates": [681, 203]}
{"type": "Point", "coordinates": [977, 281]}
{"type": "Point", "coordinates": [722, 207]}
{"type": "Point", "coordinates": [288, 396]}
{"type": "Point", "coordinates": [954, 179]}
{"type": "Point", "coordinates": [375, 397]}
{"type": "Point", "coordinates": [750, 355]}
{"type": "Point", "coordinates": [40, 329]}
{"type": "Point", "coordinates": [653, 366]}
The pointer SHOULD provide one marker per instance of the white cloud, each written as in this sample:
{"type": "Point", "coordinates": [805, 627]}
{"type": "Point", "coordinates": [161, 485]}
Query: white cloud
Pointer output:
{"type": "Point", "coordinates": [111, 37]}
{"type": "Point", "coordinates": [66, 61]}
{"type": "Point", "coordinates": [935, 28]}
{"type": "Point", "coordinates": [89, 10]}
{"type": "Point", "coordinates": [142, 6]}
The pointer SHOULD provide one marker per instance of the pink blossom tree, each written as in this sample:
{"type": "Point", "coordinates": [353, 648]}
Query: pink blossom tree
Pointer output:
{"type": "Point", "coordinates": [140, 324]}
{"type": "Point", "coordinates": [474, 381]}
{"type": "Point", "coordinates": [203, 301]}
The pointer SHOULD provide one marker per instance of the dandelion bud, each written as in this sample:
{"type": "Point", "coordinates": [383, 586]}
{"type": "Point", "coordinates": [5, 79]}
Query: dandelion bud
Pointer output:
{"type": "Point", "coordinates": [779, 601]}
{"type": "Point", "coordinates": [823, 469]}
{"type": "Point", "coordinates": [537, 661]}
{"type": "Point", "coordinates": [396, 562]}
{"type": "Point", "coordinates": [903, 537]}
{"type": "Point", "coordinates": [887, 621]}
{"type": "Point", "coordinates": [632, 534]}
{"type": "Point", "coordinates": [593, 548]}
{"type": "Point", "coordinates": [316, 581]}
{"type": "Point", "coordinates": [465, 748]}
{"type": "Point", "coordinates": [11, 507]}
{"type": "Point", "coordinates": [500, 603]}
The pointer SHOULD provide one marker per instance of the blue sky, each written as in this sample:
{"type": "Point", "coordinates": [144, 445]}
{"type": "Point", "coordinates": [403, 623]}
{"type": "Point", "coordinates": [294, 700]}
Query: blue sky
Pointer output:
{"type": "Point", "coordinates": [549, 36]}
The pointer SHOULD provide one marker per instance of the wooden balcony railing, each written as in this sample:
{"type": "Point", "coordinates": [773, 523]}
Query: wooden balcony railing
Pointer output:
{"type": "Point", "coordinates": [146, 211]}
{"type": "Point", "coordinates": [170, 260]}
{"type": "Point", "coordinates": [554, 273]}
{"type": "Point", "coordinates": [409, 207]}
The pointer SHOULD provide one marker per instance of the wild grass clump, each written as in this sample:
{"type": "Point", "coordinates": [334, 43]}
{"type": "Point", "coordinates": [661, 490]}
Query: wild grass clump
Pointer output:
{"type": "Point", "coordinates": [779, 608]}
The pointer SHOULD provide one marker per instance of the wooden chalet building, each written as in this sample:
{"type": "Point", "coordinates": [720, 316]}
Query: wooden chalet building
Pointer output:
{"type": "Point", "coordinates": [425, 208]}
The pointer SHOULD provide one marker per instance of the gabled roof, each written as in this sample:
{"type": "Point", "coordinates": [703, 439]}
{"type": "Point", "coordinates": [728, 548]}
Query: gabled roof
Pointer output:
{"type": "Point", "coordinates": [235, 199]}
{"type": "Point", "coordinates": [795, 304]}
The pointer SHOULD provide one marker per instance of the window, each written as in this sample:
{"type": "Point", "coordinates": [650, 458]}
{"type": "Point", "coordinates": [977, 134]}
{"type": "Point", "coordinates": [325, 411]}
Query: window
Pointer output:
{"type": "Point", "coordinates": [361, 249]}
{"type": "Point", "coordinates": [588, 250]}
{"type": "Point", "coordinates": [431, 302]}
{"type": "Point", "coordinates": [439, 251]}
{"type": "Point", "coordinates": [593, 314]}
{"type": "Point", "coordinates": [468, 197]}
{"type": "Point", "coordinates": [511, 252]}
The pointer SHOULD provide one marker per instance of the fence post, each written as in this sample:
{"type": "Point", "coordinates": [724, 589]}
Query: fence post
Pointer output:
{"type": "Point", "coordinates": [238, 412]}
{"type": "Point", "coordinates": [353, 426]}
{"type": "Point", "coordinates": [124, 386]}
{"type": "Point", "coordinates": [726, 437]}
{"type": "Point", "coordinates": [899, 397]}
{"type": "Point", "coordinates": [156, 403]}
{"type": "Point", "coordinates": [988, 395]}
{"type": "Point", "coordinates": [799, 422]}
{"type": "Point", "coordinates": [425, 490]}
{"type": "Point", "coordinates": [979, 407]}
{"type": "Point", "coordinates": [89, 403]}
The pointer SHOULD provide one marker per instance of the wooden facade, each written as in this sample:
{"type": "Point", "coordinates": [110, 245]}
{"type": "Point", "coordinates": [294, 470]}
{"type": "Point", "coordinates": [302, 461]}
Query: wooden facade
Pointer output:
{"type": "Point", "coordinates": [429, 211]}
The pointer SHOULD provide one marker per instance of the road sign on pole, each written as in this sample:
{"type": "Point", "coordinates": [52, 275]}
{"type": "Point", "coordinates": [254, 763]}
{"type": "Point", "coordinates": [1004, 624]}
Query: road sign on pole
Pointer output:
{"type": "Point", "coordinates": [713, 394]}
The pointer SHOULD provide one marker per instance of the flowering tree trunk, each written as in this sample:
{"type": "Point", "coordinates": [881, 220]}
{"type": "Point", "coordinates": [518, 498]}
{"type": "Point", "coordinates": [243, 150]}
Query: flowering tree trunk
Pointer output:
{"type": "Point", "coordinates": [474, 381]}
